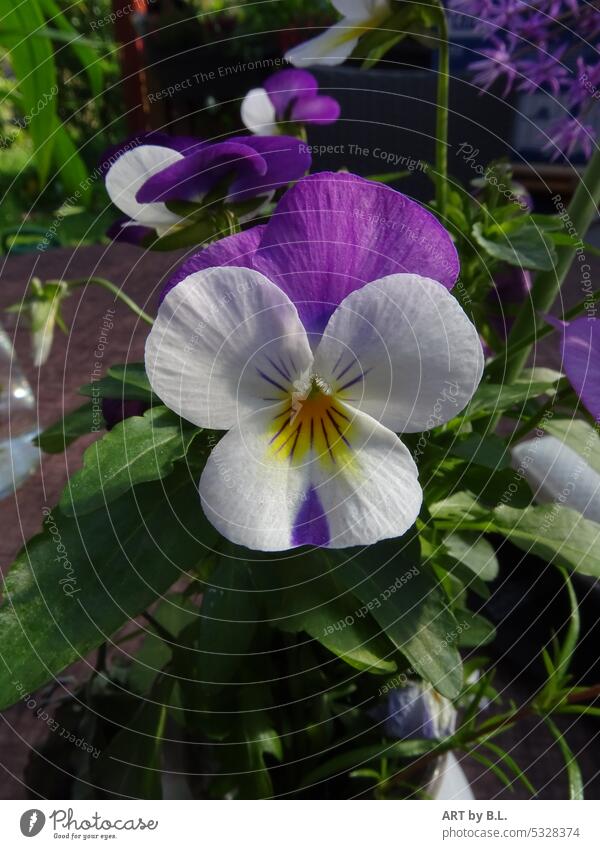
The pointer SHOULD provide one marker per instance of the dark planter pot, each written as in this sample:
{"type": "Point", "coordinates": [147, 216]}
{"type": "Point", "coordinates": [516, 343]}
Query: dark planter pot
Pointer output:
{"type": "Point", "coordinates": [388, 124]}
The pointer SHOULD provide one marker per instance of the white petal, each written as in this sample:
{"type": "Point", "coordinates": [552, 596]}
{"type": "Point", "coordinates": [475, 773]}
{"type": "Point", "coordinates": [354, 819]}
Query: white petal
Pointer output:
{"type": "Point", "coordinates": [361, 10]}
{"type": "Point", "coordinates": [129, 173]}
{"type": "Point", "coordinates": [255, 494]}
{"type": "Point", "coordinates": [331, 47]}
{"type": "Point", "coordinates": [557, 474]}
{"type": "Point", "coordinates": [226, 341]}
{"type": "Point", "coordinates": [375, 494]}
{"type": "Point", "coordinates": [258, 113]}
{"type": "Point", "coordinates": [403, 350]}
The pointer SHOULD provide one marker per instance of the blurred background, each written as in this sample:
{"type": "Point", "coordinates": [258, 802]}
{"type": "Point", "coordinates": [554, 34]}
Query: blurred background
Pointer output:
{"type": "Point", "coordinates": [79, 77]}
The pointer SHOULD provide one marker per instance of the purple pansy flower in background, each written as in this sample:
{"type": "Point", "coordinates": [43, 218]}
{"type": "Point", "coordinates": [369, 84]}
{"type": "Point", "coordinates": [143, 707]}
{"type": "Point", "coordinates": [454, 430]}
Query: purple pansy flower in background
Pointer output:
{"type": "Point", "coordinates": [417, 711]}
{"type": "Point", "coordinates": [510, 292]}
{"type": "Point", "coordinates": [149, 171]}
{"type": "Point", "coordinates": [581, 358]}
{"type": "Point", "coordinates": [324, 334]}
{"type": "Point", "coordinates": [287, 96]}
{"type": "Point", "coordinates": [116, 410]}
{"type": "Point", "coordinates": [548, 464]}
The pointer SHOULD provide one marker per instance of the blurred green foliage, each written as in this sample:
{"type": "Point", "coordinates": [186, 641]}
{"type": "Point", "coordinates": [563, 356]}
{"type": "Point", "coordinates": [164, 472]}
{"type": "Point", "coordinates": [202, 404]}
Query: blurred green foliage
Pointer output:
{"type": "Point", "coordinates": [60, 107]}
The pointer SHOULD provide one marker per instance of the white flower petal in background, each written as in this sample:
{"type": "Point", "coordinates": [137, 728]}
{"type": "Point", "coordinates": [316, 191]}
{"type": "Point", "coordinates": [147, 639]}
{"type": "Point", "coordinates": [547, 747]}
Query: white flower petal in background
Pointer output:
{"type": "Point", "coordinates": [129, 173]}
{"type": "Point", "coordinates": [558, 474]}
{"type": "Point", "coordinates": [335, 45]}
{"type": "Point", "coordinates": [221, 345]}
{"type": "Point", "coordinates": [258, 113]}
{"type": "Point", "coordinates": [402, 350]}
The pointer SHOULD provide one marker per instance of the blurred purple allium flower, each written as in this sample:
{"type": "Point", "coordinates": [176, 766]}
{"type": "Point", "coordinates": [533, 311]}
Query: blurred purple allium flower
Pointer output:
{"type": "Point", "coordinates": [533, 46]}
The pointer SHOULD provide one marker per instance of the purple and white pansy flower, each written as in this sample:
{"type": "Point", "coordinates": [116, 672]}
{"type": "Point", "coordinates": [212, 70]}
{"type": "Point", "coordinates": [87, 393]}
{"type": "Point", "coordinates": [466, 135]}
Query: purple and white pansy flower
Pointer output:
{"type": "Point", "coordinates": [144, 174]}
{"type": "Point", "coordinates": [335, 45]}
{"type": "Point", "coordinates": [288, 96]}
{"type": "Point", "coordinates": [313, 341]}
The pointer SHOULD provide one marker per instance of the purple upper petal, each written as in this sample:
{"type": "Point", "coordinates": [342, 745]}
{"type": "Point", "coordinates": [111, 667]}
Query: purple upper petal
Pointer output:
{"type": "Point", "coordinates": [287, 159]}
{"type": "Point", "coordinates": [315, 110]}
{"type": "Point", "coordinates": [237, 250]}
{"type": "Point", "coordinates": [285, 86]}
{"type": "Point", "coordinates": [581, 360]}
{"type": "Point", "coordinates": [334, 232]}
{"type": "Point", "coordinates": [197, 173]}
{"type": "Point", "coordinates": [311, 526]}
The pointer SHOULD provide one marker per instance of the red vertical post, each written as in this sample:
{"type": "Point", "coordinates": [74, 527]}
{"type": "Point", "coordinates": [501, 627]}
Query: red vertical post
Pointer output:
{"type": "Point", "coordinates": [132, 62]}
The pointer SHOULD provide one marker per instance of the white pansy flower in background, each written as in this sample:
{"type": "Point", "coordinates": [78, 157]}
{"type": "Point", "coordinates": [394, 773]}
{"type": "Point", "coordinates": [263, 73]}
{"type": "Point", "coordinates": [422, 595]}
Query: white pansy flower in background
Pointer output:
{"type": "Point", "coordinates": [559, 475]}
{"type": "Point", "coordinates": [313, 341]}
{"type": "Point", "coordinates": [287, 97]}
{"type": "Point", "coordinates": [335, 45]}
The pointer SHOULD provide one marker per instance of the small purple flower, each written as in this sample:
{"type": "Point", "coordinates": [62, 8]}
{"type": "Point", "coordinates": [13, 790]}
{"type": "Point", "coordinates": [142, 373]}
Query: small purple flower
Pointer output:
{"type": "Point", "coordinates": [287, 96]}
{"type": "Point", "coordinates": [416, 711]}
{"type": "Point", "coordinates": [115, 410]}
{"type": "Point", "coordinates": [147, 172]}
{"type": "Point", "coordinates": [510, 292]}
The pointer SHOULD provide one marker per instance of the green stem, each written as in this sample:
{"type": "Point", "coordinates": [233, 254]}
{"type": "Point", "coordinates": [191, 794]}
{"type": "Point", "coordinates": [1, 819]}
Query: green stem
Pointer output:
{"type": "Point", "coordinates": [441, 129]}
{"type": "Point", "coordinates": [581, 212]}
{"type": "Point", "coordinates": [118, 293]}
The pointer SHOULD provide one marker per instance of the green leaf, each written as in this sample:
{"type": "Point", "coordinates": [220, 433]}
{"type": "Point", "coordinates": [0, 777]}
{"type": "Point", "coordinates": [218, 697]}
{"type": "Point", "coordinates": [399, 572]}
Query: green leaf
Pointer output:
{"type": "Point", "coordinates": [493, 767]}
{"type": "Point", "coordinates": [81, 580]}
{"type": "Point", "coordinates": [130, 766]}
{"type": "Point", "coordinates": [32, 61]}
{"type": "Point", "coordinates": [139, 449]}
{"type": "Point", "coordinates": [246, 773]}
{"type": "Point", "coordinates": [495, 398]}
{"type": "Point", "coordinates": [85, 49]}
{"type": "Point", "coordinates": [510, 762]}
{"type": "Point", "coordinates": [476, 630]}
{"type": "Point", "coordinates": [488, 451]}
{"type": "Point", "coordinates": [475, 552]}
{"type": "Point", "coordinates": [355, 758]}
{"type": "Point", "coordinates": [128, 381]}
{"type": "Point", "coordinates": [174, 613]}
{"type": "Point", "coordinates": [573, 771]}
{"type": "Point", "coordinates": [131, 374]}
{"type": "Point", "coordinates": [517, 243]}
{"type": "Point", "coordinates": [335, 619]}
{"type": "Point", "coordinates": [553, 532]}
{"type": "Point", "coordinates": [409, 604]}
{"type": "Point", "coordinates": [79, 422]}
{"type": "Point", "coordinates": [220, 639]}
{"type": "Point", "coordinates": [460, 507]}
{"type": "Point", "coordinates": [70, 167]}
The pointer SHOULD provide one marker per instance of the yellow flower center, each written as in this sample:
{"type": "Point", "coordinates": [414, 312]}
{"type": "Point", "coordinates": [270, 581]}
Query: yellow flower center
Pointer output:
{"type": "Point", "coordinates": [311, 420]}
